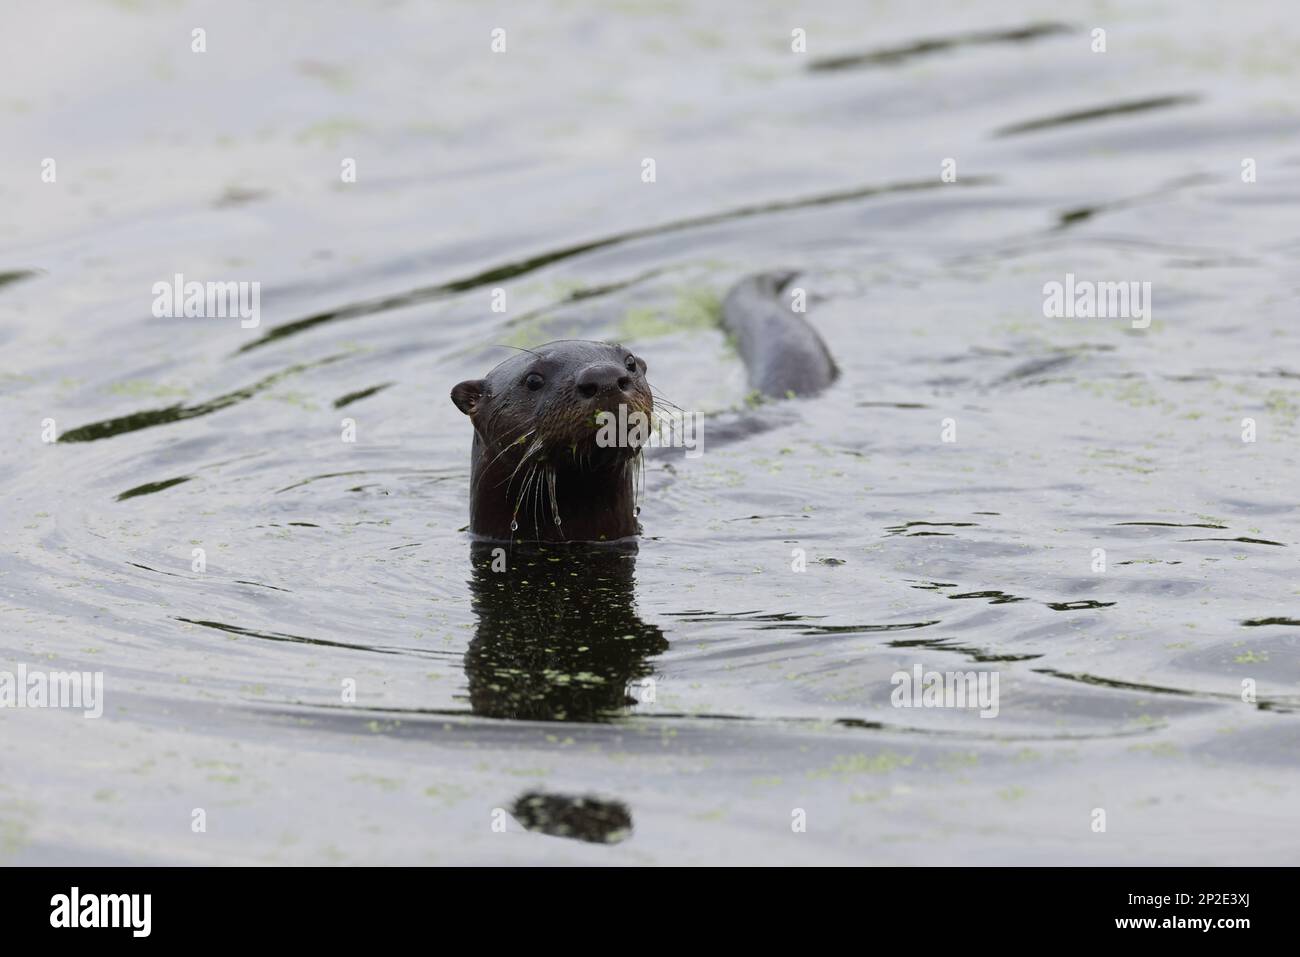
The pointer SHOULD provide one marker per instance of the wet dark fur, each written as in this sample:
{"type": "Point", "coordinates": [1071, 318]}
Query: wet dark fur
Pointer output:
{"type": "Point", "coordinates": [537, 472]}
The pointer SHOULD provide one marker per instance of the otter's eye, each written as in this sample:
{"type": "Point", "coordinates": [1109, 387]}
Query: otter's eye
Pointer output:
{"type": "Point", "coordinates": [630, 363]}
{"type": "Point", "coordinates": [534, 381]}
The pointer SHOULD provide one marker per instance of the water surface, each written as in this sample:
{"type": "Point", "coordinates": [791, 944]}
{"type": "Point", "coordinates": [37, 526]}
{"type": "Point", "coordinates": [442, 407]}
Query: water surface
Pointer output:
{"type": "Point", "coordinates": [519, 699]}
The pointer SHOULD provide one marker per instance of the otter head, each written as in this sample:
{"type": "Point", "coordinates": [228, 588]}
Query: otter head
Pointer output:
{"type": "Point", "coordinates": [572, 414]}
{"type": "Point", "coordinates": [563, 403]}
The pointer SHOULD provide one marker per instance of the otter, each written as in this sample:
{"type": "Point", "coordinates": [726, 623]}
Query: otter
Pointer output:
{"type": "Point", "coordinates": [540, 469]}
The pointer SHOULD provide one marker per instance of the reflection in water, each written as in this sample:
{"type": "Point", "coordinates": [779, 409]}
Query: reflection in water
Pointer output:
{"type": "Point", "coordinates": [580, 818]}
{"type": "Point", "coordinates": [558, 637]}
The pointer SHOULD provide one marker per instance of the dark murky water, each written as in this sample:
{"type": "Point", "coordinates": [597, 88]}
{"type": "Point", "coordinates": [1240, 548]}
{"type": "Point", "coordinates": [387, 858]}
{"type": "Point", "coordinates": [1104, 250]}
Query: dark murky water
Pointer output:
{"type": "Point", "coordinates": [521, 699]}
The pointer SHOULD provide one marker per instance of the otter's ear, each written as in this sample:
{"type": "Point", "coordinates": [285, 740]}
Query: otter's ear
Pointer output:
{"type": "Point", "coordinates": [468, 394]}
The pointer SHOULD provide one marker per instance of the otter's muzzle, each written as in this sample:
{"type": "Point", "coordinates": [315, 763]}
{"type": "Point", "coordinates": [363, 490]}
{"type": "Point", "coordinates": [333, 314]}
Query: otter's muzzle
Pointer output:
{"type": "Point", "coordinates": [601, 378]}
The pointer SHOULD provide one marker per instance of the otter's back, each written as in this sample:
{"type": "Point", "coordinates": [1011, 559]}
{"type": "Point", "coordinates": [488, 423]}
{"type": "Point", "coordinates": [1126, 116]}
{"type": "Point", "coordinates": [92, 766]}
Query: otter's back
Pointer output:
{"type": "Point", "coordinates": [783, 354]}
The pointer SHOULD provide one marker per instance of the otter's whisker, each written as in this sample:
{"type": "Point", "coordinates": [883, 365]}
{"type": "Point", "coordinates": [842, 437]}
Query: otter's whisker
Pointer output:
{"type": "Point", "coordinates": [519, 498]}
{"type": "Point", "coordinates": [502, 345]}
{"type": "Point", "coordinates": [537, 500]}
{"type": "Point", "coordinates": [638, 489]}
{"type": "Point", "coordinates": [509, 480]}
{"type": "Point", "coordinates": [661, 398]}
{"type": "Point", "coordinates": [528, 454]}
{"type": "Point", "coordinates": [514, 515]}
{"type": "Point", "coordinates": [555, 502]}
{"type": "Point", "coordinates": [510, 446]}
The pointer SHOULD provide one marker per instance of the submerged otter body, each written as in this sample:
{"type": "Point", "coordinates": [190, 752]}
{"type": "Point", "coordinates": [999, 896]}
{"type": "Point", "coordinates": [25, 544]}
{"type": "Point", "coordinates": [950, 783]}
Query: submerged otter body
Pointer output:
{"type": "Point", "coordinates": [543, 468]}
{"type": "Point", "coordinates": [538, 471]}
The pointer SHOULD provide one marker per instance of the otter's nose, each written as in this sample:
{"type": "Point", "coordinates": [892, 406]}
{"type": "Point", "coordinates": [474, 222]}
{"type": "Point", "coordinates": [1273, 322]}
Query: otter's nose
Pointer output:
{"type": "Point", "coordinates": [600, 378]}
